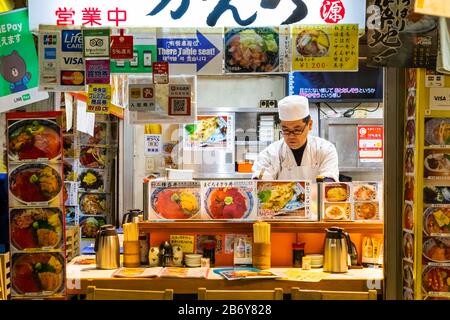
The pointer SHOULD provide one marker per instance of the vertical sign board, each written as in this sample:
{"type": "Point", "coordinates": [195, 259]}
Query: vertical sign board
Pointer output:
{"type": "Point", "coordinates": [370, 143]}
{"type": "Point", "coordinates": [18, 62]}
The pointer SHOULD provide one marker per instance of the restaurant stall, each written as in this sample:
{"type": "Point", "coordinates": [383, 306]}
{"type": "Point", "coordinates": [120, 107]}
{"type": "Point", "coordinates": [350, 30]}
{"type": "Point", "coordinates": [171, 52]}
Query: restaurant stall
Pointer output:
{"type": "Point", "coordinates": [135, 169]}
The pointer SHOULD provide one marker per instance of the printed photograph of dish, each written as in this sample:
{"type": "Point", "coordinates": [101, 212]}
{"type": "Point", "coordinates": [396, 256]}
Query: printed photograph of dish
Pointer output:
{"type": "Point", "coordinates": [411, 104]}
{"type": "Point", "coordinates": [408, 275]}
{"type": "Point", "coordinates": [69, 171]}
{"type": "Point", "coordinates": [412, 76]}
{"type": "Point", "coordinates": [365, 192]}
{"type": "Point", "coordinates": [419, 23]}
{"type": "Point", "coordinates": [437, 249]}
{"type": "Point", "coordinates": [436, 194]}
{"type": "Point", "coordinates": [34, 139]}
{"type": "Point", "coordinates": [207, 131]}
{"type": "Point", "coordinates": [36, 182]}
{"type": "Point", "coordinates": [408, 246]}
{"type": "Point", "coordinates": [93, 203]}
{"type": "Point", "coordinates": [69, 146]}
{"type": "Point", "coordinates": [36, 228]}
{"type": "Point", "coordinates": [436, 221]}
{"type": "Point", "coordinates": [278, 198]}
{"type": "Point", "coordinates": [70, 216]}
{"type": "Point", "coordinates": [436, 279]}
{"type": "Point", "coordinates": [91, 180]}
{"type": "Point", "coordinates": [409, 188]}
{"type": "Point", "coordinates": [409, 217]}
{"type": "Point", "coordinates": [100, 135]}
{"type": "Point", "coordinates": [228, 203]}
{"type": "Point", "coordinates": [366, 211]}
{"type": "Point", "coordinates": [437, 131]}
{"type": "Point", "coordinates": [90, 225]}
{"type": "Point", "coordinates": [251, 50]}
{"type": "Point", "coordinates": [38, 273]}
{"type": "Point", "coordinates": [437, 162]}
{"type": "Point", "coordinates": [175, 203]}
{"type": "Point", "coordinates": [312, 43]}
{"type": "Point", "coordinates": [407, 294]}
{"type": "Point", "coordinates": [409, 162]}
{"type": "Point", "coordinates": [410, 132]}
{"type": "Point", "coordinates": [337, 211]}
{"type": "Point", "coordinates": [93, 157]}
{"type": "Point", "coordinates": [337, 192]}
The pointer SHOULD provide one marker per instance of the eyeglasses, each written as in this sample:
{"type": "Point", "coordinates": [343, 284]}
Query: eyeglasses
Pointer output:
{"type": "Point", "coordinates": [296, 132]}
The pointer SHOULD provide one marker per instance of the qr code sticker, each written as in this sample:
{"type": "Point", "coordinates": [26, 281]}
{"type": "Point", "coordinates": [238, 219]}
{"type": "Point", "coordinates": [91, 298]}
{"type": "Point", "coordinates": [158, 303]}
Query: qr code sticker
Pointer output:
{"type": "Point", "coordinates": [180, 106]}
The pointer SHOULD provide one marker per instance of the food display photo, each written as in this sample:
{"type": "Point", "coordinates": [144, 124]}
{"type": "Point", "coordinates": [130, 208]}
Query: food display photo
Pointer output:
{"type": "Point", "coordinates": [36, 228]}
{"type": "Point", "coordinates": [34, 139]}
{"type": "Point", "coordinates": [337, 211]}
{"type": "Point", "coordinates": [312, 43]}
{"type": "Point", "coordinates": [69, 146]}
{"type": "Point", "coordinates": [366, 197]}
{"type": "Point", "coordinates": [90, 225]}
{"type": "Point", "coordinates": [100, 136]}
{"type": "Point", "coordinates": [434, 192]}
{"type": "Point", "coordinates": [92, 180]}
{"type": "Point", "coordinates": [436, 249]}
{"type": "Point", "coordinates": [410, 132]}
{"type": "Point", "coordinates": [408, 246]}
{"type": "Point", "coordinates": [178, 200]}
{"type": "Point", "coordinates": [93, 204]}
{"type": "Point", "coordinates": [252, 49]}
{"type": "Point", "coordinates": [436, 279]}
{"type": "Point", "coordinates": [37, 274]}
{"type": "Point", "coordinates": [36, 184]}
{"type": "Point", "coordinates": [209, 131]}
{"type": "Point", "coordinates": [436, 221]}
{"type": "Point", "coordinates": [437, 163]}
{"type": "Point", "coordinates": [437, 132]}
{"type": "Point", "coordinates": [283, 200]}
{"type": "Point", "coordinates": [93, 157]}
{"type": "Point", "coordinates": [409, 160]}
{"type": "Point", "coordinates": [409, 188]}
{"type": "Point", "coordinates": [336, 199]}
{"type": "Point", "coordinates": [408, 275]}
{"type": "Point", "coordinates": [229, 199]}
{"type": "Point", "coordinates": [408, 217]}
{"type": "Point", "coordinates": [411, 104]}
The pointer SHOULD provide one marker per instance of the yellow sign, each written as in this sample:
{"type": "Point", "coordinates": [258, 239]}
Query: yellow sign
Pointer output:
{"type": "Point", "coordinates": [325, 47]}
{"type": "Point", "coordinates": [184, 241]}
{"type": "Point", "coordinates": [433, 7]}
{"type": "Point", "coordinates": [99, 98]}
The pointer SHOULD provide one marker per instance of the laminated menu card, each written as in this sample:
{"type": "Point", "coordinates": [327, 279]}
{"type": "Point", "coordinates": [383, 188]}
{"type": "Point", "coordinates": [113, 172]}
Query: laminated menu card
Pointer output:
{"type": "Point", "coordinates": [246, 273]}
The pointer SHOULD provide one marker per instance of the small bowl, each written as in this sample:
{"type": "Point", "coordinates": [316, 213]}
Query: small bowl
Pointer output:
{"type": "Point", "coordinates": [193, 260]}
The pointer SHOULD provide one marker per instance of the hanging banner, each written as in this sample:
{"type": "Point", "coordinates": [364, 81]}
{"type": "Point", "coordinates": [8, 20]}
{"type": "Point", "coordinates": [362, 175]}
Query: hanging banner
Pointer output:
{"type": "Point", "coordinates": [61, 62]}
{"type": "Point", "coordinates": [180, 14]}
{"type": "Point", "coordinates": [325, 48]}
{"type": "Point", "coordinates": [18, 62]}
{"type": "Point", "coordinates": [370, 143]}
{"type": "Point", "coordinates": [191, 51]}
{"type": "Point", "coordinates": [257, 49]}
{"type": "Point", "coordinates": [144, 53]}
{"type": "Point", "coordinates": [433, 7]}
{"type": "Point", "coordinates": [99, 98]}
{"type": "Point", "coordinates": [398, 37]}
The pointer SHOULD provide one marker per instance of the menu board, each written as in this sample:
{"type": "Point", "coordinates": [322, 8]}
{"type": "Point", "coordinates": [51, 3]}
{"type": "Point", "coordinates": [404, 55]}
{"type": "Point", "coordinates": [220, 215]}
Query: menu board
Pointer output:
{"type": "Point", "coordinates": [36, 204]}
{"type": "Point", "coordinates": [359, 201]}
{"type": "Point", "coordinates": [284, 200]}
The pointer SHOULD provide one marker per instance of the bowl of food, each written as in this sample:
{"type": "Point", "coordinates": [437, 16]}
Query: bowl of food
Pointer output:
{"type": "Point", "coordinates": [408, 246]}
{"type": "Point", "coordinates": [337, 211]}
{"type": "Point", "coordinates": [365, 192]}
{"type": "Point", "coordinates": [411, 104]}
{"type": "Point", "coordinates": [408, 275]}
{"type": "Point", "coordinates": [69, 148]}
{"type": "Point", "coordinates": [409, 162]}
{"type": "Point", "coordinates": [207, 131]}
{"type": "Point", "coordinates": [91, 180]}
{"type": "Point", "coordinates": [93, 203]}
{"type": "Point", "coordinates": [437, 131]}
{"type": "Point", "coordinates": [437, 163]}
{"type": "Point", "coordinates": [410, 132]}
{"type": "Point", "coordinates": [437, 249]}
{"type": "Point", "coordinates": [278, 198]}
{"type": "Point", "coordinates": [436, 279]}
{"type": "Point", "coordinates": [337, 192]}
{"type": "Point", "coordinates": [409, 188]}
{"type": "Point", "coordinates": [228, 203]}
{"type": "Point", "coordinates": [40, 274]}
{"type": "Point", "coordinates": [436, 194]}
{"type": "Point", "coordinates": [35, 182]}
{"type": "Point", "coordinates": [436, 221]}
{"type": "Point", "coordinates": [252, 50]}
{"type": "Point", "coordinates": [100, 135]}
{"type": "Point", "coordinates": [36, 228]}
{"type": "Point", "coordinates": [175, 203]}
{"type": "Point", "coordinates": [93, 157]}
{"type": "Point", "coordinates": [312, 43]}
{"type": "Point", "coordinates": [90, 225]}
{"type": "Point", "coordinates": [409, 217]}
{"type": "Point", "coordinates": [366, 211]}
{"type": "Point", "coordinates": [34, 139]}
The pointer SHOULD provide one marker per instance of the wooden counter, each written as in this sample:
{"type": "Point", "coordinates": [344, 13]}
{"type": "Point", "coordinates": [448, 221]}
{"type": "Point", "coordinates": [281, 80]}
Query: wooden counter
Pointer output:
{"type": "Point", "coordinates": [81, 276]}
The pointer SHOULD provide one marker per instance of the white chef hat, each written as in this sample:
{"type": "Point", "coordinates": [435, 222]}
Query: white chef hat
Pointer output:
{"type": "Point", "coordinates": [292, 108]}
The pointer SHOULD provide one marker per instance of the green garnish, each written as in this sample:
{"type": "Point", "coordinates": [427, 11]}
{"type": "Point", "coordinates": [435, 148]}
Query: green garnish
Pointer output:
{"type": "Point", "coordinates": [175, 197]}
{"type": "Point", "coordinates": [34, 178]}
{"type": "Point", "coordinates": [190, 128]}
{"type": "Point", "coordinates": [228, 200]}
{"type": "Point", "coordinates": [36, 225]}
{"type": "Point", "coordinates": [264, 196]}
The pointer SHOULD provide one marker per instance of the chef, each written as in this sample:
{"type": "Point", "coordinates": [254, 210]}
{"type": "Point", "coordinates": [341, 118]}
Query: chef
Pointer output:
{"type": "Point", "coordinates": [298, 156]}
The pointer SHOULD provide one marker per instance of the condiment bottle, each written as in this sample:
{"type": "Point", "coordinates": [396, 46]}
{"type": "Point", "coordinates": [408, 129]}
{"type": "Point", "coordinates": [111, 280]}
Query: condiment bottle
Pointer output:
{"type": "Point", "coordinates": [306, 263]}
{"type": "Point", "coordinates": [209, 251]}
{"type": "Point", "coordinates": [298, 252]}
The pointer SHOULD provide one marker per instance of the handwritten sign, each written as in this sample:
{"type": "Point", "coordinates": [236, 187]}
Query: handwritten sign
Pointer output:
{"type": "Point", "coordinates": [184, 241]}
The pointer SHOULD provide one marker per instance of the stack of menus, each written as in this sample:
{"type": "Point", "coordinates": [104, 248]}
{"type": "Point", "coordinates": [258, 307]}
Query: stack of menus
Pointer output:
{"type": "Point", "coordinates": [356, 201]}
{"type": "Point", "coordinates": [36, 204]}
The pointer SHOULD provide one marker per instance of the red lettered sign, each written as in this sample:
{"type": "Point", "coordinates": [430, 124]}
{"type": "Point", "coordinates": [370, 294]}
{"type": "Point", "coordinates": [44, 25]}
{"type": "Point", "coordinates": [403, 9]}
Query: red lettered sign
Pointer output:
{"type": "Point", "coordinates": [160, 72]}
{"type": "Point", "coordinates": [121, 47]}
{"type": "Point", "coordinates": [370, 143]}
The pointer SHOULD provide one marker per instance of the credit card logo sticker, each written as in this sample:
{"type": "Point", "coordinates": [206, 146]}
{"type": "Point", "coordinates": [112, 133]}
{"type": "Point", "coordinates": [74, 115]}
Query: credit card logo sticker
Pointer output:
{"type": "Point", "coordinates": [50, 53]}
{"type": "Point", "coordinates": [72, 41]}
{"type": "Point", "coordinates": [69, 78]}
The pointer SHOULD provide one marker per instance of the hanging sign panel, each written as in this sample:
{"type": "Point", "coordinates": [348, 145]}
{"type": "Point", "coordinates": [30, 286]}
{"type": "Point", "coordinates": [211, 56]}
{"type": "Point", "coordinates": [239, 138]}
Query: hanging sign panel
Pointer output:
{"type": "Point", "coordinates": [197, 13]}
{"type": "Point", "coordinates": [99, 98]}
{"type": "Point", "coordinates": [191, 51]}
{"type": "Point", "coordinates": [398, 37]}
{"type": "Point", "coordinates": [370, 143]}
{"type": "Point", "coordinates": [325, 48]}
{"type": "Point", "coordinates": [18, 62]}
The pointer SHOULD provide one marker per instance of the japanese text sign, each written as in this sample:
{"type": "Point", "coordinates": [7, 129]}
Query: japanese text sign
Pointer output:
{"type": "Point", "coordinates": [184, 241]}
{"type": "Point", "coordinates": [325, 48]}
{"type": "Point", "coordinates": [97, 71]}
{"type": "Point", "coordinates": [141, 97]}
{"type": "Point", "coordinates": [152, 144]}
{"type": "Point", "coordinates": [121, 47]}
{"type": "Point", "coordinates": [18, 62]}
{"type": "Point", "coordinates": [370, 143]}
{"type": "Point", "coordinates": [160, 72]}
{"type": "Point", "coordinates": [179, 100]}
{"type": "Point", "coordinates": [99, 98]}
{"type": "Point", "coordinates": [195, 13]}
